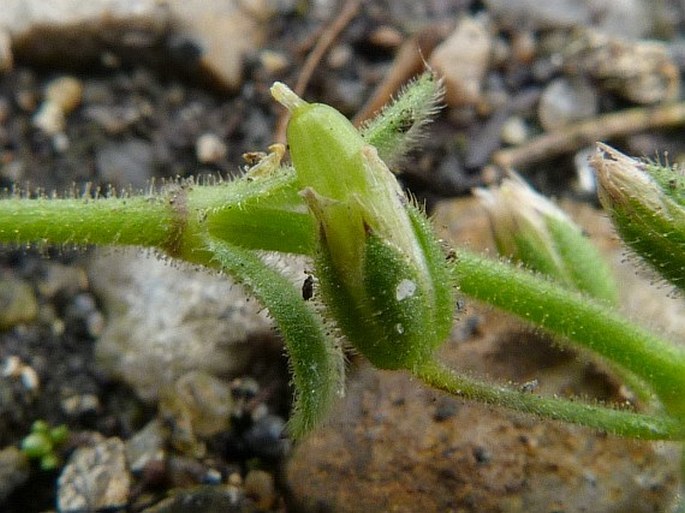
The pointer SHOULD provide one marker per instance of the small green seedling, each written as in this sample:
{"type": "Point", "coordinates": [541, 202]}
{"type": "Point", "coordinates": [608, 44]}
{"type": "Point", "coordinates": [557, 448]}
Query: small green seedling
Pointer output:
{"type": "Point", "coordinates": [384, 284]}
{"type": "Point", "coordinates": [42, 443]}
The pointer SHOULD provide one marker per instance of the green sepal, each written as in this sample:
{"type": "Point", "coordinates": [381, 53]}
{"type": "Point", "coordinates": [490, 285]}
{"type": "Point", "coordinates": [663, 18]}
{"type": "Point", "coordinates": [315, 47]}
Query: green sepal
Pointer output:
{"type": "Point", "coordinates": [645, 202]}
{"type": "Point", "coordinates": [586, 269]}
{"type": "Point", "coordinates": [398, 127]}
{"type": "Point", "coordinates": [316, 364]}
{"type": "Point", "coordinates": [671, 180]}
{"type": "Point", "coordinates": [654, 240]}
{"type": "Point", "coordinates": [398, 316]}
{"type": "Point", "coordinates": [443, 298]}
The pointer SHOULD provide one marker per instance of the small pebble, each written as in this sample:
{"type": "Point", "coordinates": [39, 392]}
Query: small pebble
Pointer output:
{"type": "Point", "coordinates": [210, 149]}
{"type": "Point", "coordinates": [524, 46]}
{"type": "Point", "coordinates": [60, 142]}
{"type": "Point", "coordinates": [462, 60]}
{"type": "Point", "coordinates": [126, 163]}
{"type": "Point", "coordinates": [147, 445]}
{"type": "Point", "coordinates": [204, 399]}
{"type": "Point", "coordinates": [62, 96]}
{"type": "Point", "coordinates": [95, 478]}
{"type": "Point", "coordinates": [212, 477]}
{"type": "Point", "coordinates": [29, 378]}
{"type": "Point", "coordinates": [95, 323]}
{"type": "Point", "coordinates": [65, 92]}
{"type": "Point", "coordinates": [18, 303]}
{"type": "Point", "coordinates": [260, 487]}
{"type": "Point", "coordinates": [273, 62]}
{"type": "Point", "coordinates": [585, 183]}
{"type": "Point", "coordinates": [78, 404]}
{"type": "Point", "coordinates": [49, 118]}
{"type": "Point", "coordinates": [266, 438]}
{"type": "Point", "coordinates": [514, 131]}
{"type": "Point", "coordinates": [386, 36]}
{"type": "Point", "coordinates": [565, 101]}
{"type": "Point", "coordinates": [64, 279]}
{"type": "Point", "coordinates": [340, 56]}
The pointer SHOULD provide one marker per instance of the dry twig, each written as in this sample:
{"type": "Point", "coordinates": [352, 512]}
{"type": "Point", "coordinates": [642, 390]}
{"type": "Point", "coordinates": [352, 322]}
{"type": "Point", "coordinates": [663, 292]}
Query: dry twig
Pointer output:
{"type": "Point", "coordinates": [573, 137]}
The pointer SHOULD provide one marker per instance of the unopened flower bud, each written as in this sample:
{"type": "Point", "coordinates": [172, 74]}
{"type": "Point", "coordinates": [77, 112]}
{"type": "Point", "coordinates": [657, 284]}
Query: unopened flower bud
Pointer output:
{"type": "Point", "coordinates": [646, 202]}
{"type": "Point", "coordinates": [534, 231]}
{"type": "Point", "coordinates": [381, 270]}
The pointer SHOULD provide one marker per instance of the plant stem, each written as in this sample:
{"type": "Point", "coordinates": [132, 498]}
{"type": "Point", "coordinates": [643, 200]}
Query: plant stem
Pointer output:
{"type": "Point", "coordinates": [317, 365]}
{"type": "Point", "coordinates": [681, 497]}
{"type": "Point", "coordinates": [580, 319]}
{"type": "Point", "coordinates": [621, 423]}
{"type": "Point", "coordinates": [180, 219]}
{"type": "Point", "coordinates": [258, 213]}
{"type": "Point", "coordinates": [139, 220]}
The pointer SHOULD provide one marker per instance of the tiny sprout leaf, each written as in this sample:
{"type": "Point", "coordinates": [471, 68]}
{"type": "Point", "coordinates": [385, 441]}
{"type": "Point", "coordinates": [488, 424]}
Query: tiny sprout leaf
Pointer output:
{"type": "Point", "coordinates": [41, 443]}
{"type": "Point", "coordinates": [36, 445]}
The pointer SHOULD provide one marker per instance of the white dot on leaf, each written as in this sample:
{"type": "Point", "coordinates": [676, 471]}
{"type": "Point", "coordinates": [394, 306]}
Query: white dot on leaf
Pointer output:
{"type": "Point", "coordinates": [405, 289]}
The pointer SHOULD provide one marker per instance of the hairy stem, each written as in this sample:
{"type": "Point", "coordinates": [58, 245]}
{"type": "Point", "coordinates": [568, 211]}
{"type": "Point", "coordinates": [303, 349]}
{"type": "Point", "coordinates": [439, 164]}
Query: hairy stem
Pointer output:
{"type": "Point", "coordinates": [257, 213]}
{"type": "Point", "coordinates": [622, 423]}
{"type": "Point", "coordinates": [580, 319]}
{"type": "Point", "coordinates": [316, 364]}
{"type": "Point", "coordinates": [139, 220]}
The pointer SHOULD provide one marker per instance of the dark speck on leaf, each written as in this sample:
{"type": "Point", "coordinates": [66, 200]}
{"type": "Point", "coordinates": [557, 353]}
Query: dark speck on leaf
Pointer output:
{"type": "Point", "coordinates": [308, 288]}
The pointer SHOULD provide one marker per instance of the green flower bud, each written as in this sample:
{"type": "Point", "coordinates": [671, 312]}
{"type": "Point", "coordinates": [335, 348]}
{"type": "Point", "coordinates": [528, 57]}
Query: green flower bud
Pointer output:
{"type": "Point", "coordinates": [646, 202]}
{"type": "Point", "coordinates": [381, 271]}
{"type": "Point", "coordinates": [532, 230]}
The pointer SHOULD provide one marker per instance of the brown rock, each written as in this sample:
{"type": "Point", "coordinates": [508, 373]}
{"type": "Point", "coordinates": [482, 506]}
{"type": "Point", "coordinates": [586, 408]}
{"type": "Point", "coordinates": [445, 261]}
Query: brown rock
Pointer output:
{"type": "Point", "coordinates": [394, 445]}
{"type": "Point", "coordinates": [84, 31]}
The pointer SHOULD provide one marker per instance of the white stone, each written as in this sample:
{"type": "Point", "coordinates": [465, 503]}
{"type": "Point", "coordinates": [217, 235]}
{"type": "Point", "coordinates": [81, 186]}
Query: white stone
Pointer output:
{"type": "Point", "coordinates": [209, 148]}
{"type": "Point", "coordinates": [462, 61]}
{"type": "Point", "coordinates": [223, 30]}
{"type": "Point", "coordinates": [166, 319]}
